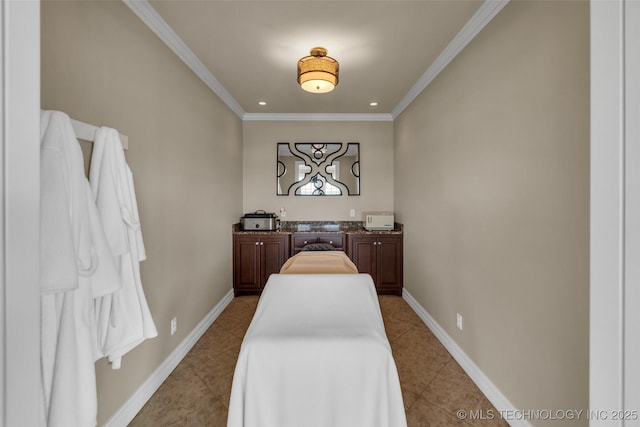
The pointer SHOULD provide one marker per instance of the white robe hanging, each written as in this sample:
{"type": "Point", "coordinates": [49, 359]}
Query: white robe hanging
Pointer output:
{"type": "Point", "coordinates": [76, 267]}
{"type": "Point", "coordinates": [124, 318]}
{"type": "Point", "coordinates": [64, 236]}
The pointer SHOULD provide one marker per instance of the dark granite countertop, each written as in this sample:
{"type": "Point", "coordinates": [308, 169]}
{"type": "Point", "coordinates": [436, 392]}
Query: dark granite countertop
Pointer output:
{"type": "Point", "coordinates": [289, 227]}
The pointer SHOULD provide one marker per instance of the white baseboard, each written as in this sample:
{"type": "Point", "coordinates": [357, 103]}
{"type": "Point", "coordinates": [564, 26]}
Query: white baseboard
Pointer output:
{"type": "Point", "coordinates": [483, 382]}
{"type": "Point", "coordinates": [128, 411]}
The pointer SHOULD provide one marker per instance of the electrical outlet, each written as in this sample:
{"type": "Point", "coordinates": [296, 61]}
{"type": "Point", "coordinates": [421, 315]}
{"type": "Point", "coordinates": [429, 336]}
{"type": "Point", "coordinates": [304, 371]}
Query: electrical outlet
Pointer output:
{"type": "Point", "coordinates": [352, 213]}
{"type": "Point", "coordinates": [283, 212]}
{"type": "Point", "coordinates": [174, 325]}
{"type": "Point", "coordinates": [459, 320]}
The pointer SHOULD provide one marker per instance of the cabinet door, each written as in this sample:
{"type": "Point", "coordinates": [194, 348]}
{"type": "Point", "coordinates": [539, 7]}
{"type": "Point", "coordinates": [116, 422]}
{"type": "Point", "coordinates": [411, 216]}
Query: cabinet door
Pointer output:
{"type": "Point", "coordinates": [381, 257]}
{"type": "Point", "coordinates": [246, 263]}
{"type": "Point", "coordinates": [362, 251]}
{"type": "Point", "coordinates": [255, 258]}
{"type": "Point", "coordinates": [274, 253]}
{"type": "Point", "coordinates": [389, 264]}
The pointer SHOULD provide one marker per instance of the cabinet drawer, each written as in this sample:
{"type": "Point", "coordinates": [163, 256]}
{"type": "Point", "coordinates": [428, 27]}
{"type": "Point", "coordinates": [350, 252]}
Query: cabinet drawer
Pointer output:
{"type": "Point", "coordinates": [337, 240]}
{"type": "Point", "coordinates": [300, 240]}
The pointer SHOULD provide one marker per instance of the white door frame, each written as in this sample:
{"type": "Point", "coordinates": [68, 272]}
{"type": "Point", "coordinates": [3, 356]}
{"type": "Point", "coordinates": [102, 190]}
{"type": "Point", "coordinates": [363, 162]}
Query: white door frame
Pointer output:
{"type": "Point", "coordinates": [615, 212]}
{"type": "Point", "coordinates": [632, 209]}
{"type": "Point", "coordinates": [19, 213]}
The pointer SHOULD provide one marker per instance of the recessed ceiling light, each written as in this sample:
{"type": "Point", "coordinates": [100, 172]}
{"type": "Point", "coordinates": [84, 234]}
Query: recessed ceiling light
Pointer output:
{"type": "Point", "coordinates": [373, 104]}
{"type": "Point", "coordinates": [262, 103]}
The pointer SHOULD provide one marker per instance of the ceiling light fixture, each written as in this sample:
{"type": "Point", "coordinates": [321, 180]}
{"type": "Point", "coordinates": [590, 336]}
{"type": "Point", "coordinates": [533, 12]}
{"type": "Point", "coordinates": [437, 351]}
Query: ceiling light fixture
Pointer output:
{"type": "Point", "coordinates": [318, 73]}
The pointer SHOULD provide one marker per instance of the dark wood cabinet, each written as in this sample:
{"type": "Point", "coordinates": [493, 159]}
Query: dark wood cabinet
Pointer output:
{"type": "Point", "coordinates": [381, 256]}
{"type": "Point", "coordinates": [255, 258]}
{"type": "Point", "coordinates": [300, 240]}
{"type": "Point", "coordinates": [258, 255]}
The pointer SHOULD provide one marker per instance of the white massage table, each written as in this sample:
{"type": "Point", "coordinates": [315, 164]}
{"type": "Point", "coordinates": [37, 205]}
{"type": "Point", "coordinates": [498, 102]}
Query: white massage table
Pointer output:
{"type": "Point", "coordinates": [316, 355]}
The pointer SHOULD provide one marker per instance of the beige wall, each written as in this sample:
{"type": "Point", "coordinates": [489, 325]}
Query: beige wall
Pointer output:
{"type": "Point", "coordinates": [260, 139]}
{"type": "Point", "coordinates": [492, 184]}
{"type": "Point", "coordinates": [102, 65]}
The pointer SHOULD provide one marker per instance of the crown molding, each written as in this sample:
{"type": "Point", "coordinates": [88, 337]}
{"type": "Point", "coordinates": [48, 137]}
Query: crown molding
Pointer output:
{"type": "Point", "coordinates": [154, 21]}
{"type": "Point", "coordinates": [159, 26]}
{"type": "Point", "coordinates": [478, 21]}
{"type": "Point", "coordinates": [317, 117]}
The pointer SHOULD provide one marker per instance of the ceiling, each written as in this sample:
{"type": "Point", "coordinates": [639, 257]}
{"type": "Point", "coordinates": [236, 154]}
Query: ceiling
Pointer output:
{"type": "Point", "coordinates": [247, 51]}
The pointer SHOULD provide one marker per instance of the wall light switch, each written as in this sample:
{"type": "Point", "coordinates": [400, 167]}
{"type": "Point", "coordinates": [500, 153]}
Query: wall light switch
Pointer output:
{"type": "Point", "coordinates": [352, 213]}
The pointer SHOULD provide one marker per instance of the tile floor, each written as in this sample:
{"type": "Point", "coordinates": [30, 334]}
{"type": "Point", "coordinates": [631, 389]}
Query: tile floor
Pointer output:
{"type": "Point", "coordinates": [434, 386]}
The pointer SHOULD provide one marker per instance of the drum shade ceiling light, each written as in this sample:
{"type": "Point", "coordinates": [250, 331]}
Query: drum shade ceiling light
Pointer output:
{"type": "Point", "coordinates": [318, 73]}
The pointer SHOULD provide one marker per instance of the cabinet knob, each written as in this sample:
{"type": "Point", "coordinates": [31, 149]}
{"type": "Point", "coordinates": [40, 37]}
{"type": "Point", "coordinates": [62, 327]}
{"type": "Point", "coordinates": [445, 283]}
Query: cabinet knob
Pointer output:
{"type": "Point", "coordinates": [261, 243]}
{"type": "Point", "coordinates": [305, 242]}
{"type": "Point", "coordinates": [331, 242]}
{"type": "Point", "coordinates": [257, 243]}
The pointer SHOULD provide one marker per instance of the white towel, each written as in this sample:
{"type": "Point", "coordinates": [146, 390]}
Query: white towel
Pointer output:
{"type": "Point", "coordinates": [124, 318]}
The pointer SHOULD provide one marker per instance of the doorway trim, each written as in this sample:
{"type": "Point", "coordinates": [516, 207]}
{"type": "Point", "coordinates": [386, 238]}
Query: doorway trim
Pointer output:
{"type": "Point", "coordinates": [19, 213]}
{"type": "Point", "coordinates": [615, 210]}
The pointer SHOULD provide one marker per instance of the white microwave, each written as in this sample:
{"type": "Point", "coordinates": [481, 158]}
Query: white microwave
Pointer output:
{"type": "Point", "coordinates": [378, 220]}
